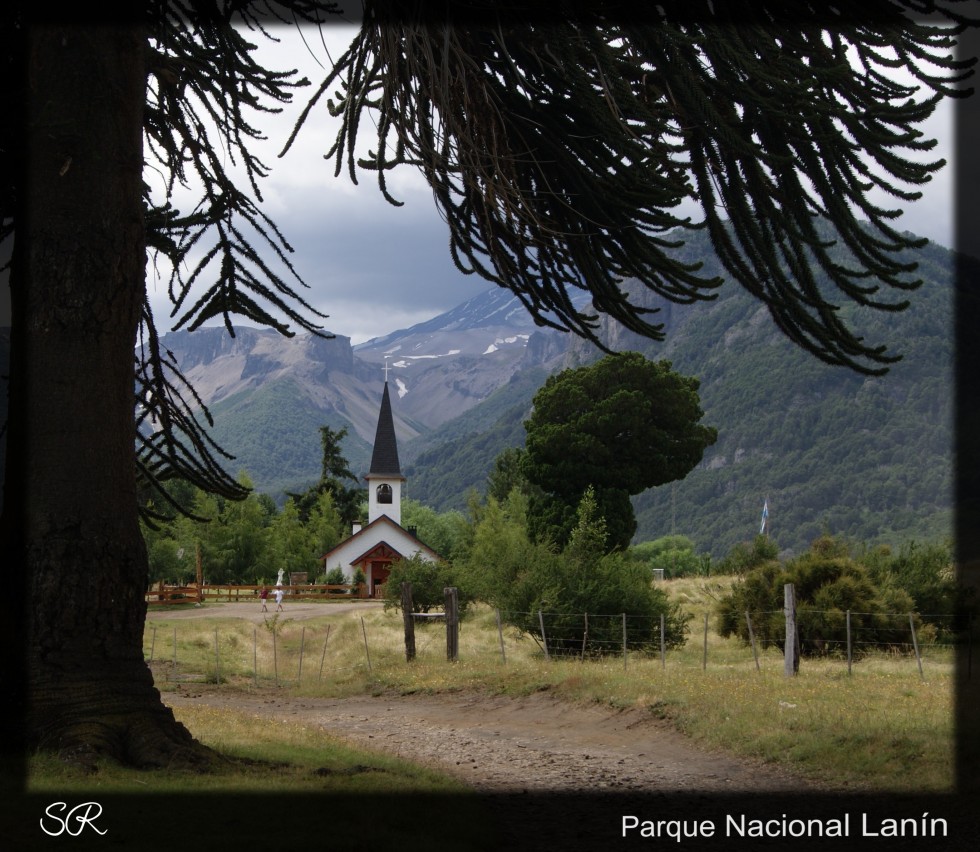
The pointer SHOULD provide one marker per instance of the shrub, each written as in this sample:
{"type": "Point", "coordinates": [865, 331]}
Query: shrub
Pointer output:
{"type": "Point", "coordinates": [674, 555]}
{"type": "Point", "coordinates": [500, 549]}
{"type": "Point", "coordinates": [582, 579]}
{"type": "Point", "coordinates": [760, 593]}
{"type": "Point", "coordinates": [359, 579]}
{"type": "Point", "coordinates": [335, 577]}
{"type": "Point", "coordinates": [747, 556]}
{"type": "Point", "coordinates": [828, 583]}
{"type": "Point", "coordinates": [429, 581]}
{"type": "Point", "coordinates": [926, 573]}
{"type": "Point", "coordinates": [566, 590]}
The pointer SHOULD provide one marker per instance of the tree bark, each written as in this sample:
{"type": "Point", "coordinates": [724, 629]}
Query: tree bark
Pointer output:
{"type": "Point", "coordinates": [70, 522]}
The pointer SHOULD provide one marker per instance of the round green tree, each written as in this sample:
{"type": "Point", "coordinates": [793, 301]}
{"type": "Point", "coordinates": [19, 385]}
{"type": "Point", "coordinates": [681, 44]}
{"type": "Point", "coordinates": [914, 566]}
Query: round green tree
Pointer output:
{"type": "Point", "coordinates": [621, 425]}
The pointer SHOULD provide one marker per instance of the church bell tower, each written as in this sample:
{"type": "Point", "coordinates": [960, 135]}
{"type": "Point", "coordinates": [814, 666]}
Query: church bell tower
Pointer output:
{"type": "Point", "coordinates": [385, 478]}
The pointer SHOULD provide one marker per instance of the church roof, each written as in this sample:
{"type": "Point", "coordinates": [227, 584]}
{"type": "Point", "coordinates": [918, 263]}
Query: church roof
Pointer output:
{"type": "Point", "coordinates": [384, 460]}
{"type": "Point", "coordinates": [398, 539]}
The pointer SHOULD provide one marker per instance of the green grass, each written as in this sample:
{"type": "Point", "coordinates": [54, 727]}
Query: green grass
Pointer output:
{"type": "Point", "coordinates": [289, 758]}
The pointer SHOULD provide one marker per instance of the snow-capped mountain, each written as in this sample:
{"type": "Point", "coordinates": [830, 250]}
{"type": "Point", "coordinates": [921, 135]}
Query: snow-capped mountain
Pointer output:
{"type": "Point", "coordinates": [493, 310]}
{"type": "Point", "coordinates": [270, 394]}
{"type": "Point", "coordinates": [444, 366]}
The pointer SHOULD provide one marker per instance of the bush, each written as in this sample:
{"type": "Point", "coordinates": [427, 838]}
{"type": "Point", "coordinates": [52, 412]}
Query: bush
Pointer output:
{"type": "Point", "coordinates": [926, 573]}
{"type": "Point", "coordinates": [674, 555]}
{"type": "Point", "coordinates": [565, 590]}
{"type": "Point", "coordinates": [828, 583]}
{"type": "Point", "coordinates": [335, 577]}
{"type": "Point", "coordinates": [582, 579]}
{"type": "Point", "coordinates": [429, 581]}
{"type": "Point", "coordinates": [747, 556]}
{"type": "Point", "coordinates": [359, 579]}
{"type": "Point", "coordinates": [500, 549]}
{"type": "Point", "coordinates": [760, 593]}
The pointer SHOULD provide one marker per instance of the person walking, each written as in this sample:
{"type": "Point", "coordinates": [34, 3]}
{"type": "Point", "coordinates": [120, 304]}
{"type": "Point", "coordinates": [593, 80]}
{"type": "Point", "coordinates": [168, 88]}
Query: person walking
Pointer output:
{"type": "Point", "coordinates": [279, 594]}
{"type": "Point", "coordinates": [264, 597]}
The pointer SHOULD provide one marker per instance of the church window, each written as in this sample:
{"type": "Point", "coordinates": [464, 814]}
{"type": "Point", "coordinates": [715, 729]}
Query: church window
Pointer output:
{"type": "Point", "coordinates": [384, 493]}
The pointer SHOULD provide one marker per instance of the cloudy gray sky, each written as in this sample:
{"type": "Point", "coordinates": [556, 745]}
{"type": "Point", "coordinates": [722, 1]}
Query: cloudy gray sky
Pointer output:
{"type": "Point", "coordinates": [375, 268]}
{"type": "Point", "coordinates": [372, 267]}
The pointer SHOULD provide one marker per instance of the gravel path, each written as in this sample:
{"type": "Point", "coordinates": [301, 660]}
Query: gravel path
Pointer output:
{"type": "Point", "coordinates": [494, 743]}
{"type": "Point", "coordinates": [500, 744]}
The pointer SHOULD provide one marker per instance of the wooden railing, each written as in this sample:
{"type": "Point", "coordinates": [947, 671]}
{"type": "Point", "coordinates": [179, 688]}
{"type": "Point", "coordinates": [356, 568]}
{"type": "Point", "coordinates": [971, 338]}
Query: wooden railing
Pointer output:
{"type": "Point", "coordinates": [160, 594]}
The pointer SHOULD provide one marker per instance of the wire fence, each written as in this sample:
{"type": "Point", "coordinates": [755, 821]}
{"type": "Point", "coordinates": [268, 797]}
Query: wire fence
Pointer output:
{"type": "Point", "coordinates": [831, 634]}
{"type": "Point", "coordinates": [274, 654]}
{"type": "Point", "coordinates": [283, 652]}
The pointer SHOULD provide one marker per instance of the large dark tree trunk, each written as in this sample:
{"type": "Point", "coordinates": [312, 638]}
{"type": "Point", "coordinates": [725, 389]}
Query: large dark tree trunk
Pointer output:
{"type": "Point", "coordinates": [70, 524]}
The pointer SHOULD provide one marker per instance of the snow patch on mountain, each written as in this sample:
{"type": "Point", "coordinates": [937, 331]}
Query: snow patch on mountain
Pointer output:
{"type": "Point", "coordinates": [404, 361]}
{"type": "Point", "coordinates": [503, 341]}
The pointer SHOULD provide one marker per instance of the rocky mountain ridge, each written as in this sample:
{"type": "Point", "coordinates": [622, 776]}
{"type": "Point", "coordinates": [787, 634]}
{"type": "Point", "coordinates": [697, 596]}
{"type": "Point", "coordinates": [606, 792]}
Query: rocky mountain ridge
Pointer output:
{"type": "Point", "coordinates": [269, 394]}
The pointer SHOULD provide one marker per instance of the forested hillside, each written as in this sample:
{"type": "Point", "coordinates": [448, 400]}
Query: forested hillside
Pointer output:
{"type": "Point", "coordinates": [288, 461]}
{"type": "Point", "coordinates": [463, 451]}
{"type": "Point", "coordinates": [867, 457]}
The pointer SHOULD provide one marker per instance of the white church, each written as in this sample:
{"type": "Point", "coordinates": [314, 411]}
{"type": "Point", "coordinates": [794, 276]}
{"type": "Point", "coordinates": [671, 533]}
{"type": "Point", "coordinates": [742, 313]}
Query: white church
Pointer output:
{"type": "Point", "coordinates": [374, 547]}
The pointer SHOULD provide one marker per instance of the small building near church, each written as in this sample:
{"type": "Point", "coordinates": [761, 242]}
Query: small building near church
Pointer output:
{"type": "Point", "coordinates": [375, 547]}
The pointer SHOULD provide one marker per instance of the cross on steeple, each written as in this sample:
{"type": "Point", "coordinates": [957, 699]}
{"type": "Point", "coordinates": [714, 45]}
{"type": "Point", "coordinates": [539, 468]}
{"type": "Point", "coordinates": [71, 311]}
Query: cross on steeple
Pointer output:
{"type": "Point", "coordinates": [386, 369]}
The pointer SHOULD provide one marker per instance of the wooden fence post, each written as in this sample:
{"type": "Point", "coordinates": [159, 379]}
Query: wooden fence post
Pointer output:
{"type": "Point", "coordinates": [850, 654]}
{"type": "Point", "coordinates": [153, 642]}
{"type": "Point", "coordinates": [791, 655]}
{"type": "Point", "coordinates": [452, 623]}
{"type": "Point", "coordinates": [624, 641]}
{"type": "Point", "coordinates": [915, 644]}
{"type": "Point", "coordinates": [217, 661]}
{"type": "Point", "coordinates": [255, 656]}
{"type": "Point", "coordinates": [200, 574]}
{"type": "Point", "coordinates": [323, 653]}
{"type": "Point", "coordinates": [663, 641]}
{"type": "Point", "coordinates": [500, 636]}
{"type": "Point", "coordinates": [585, 634]}
{"type": "Point", "coordinates": [755, 651]}
{"type": "Point", "coordinates": [544, 636]}
{"type": "Point", "coordinates": [302, 645]}
{"type": "Point", "coordinates": [408, 619]}
{"type": "Point", "coordinates": [367, 652]}
{"type": "Point", "coordinates": [704, 660]}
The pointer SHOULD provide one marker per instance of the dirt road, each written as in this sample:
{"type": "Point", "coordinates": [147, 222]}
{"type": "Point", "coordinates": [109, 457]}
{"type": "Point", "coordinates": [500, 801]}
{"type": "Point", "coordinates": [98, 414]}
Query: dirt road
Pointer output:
{"type": "Point", "coordinates": [495, 743]}
{"type": "Point", "coordinates": [500, 744]}
{"type": "Point", "coordinates": [296, 610]}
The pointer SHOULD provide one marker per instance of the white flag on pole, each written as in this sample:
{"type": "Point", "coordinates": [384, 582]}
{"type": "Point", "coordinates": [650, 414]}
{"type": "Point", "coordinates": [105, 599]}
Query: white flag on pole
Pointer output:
{"type": "Point", "coordinates": [765, 516]}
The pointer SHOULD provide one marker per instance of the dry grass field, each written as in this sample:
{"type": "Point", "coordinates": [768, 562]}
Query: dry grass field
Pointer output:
{"type": "Point", "coordinates": [881, 727]}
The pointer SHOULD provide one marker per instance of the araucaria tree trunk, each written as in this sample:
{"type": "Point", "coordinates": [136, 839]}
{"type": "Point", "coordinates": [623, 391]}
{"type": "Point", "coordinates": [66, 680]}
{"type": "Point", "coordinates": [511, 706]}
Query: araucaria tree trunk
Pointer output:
{"type": "Point", "coordinates": [70, 524]}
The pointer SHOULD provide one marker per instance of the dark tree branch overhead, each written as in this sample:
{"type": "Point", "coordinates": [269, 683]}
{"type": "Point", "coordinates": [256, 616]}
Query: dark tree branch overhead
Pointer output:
{"type": "Point", "coordinates": [206, 97]}
{"type": "Point", "coordinates": [560, 148]}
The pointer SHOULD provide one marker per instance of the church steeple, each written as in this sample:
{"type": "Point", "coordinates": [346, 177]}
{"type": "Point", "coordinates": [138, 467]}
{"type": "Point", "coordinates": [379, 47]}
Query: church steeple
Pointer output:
{"type": "Point", "coordinates": [385, 477]}
{"type": "Point", "coordinates": [384, 460]}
